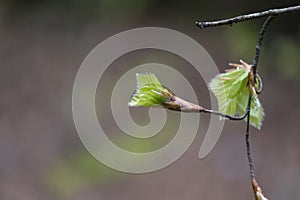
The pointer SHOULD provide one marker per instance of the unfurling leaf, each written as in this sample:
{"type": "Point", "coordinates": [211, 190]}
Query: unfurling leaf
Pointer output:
{"type": "Point", "coordinates": [232, 90]}
{"type": "Point", "coordinates": [150, 92]}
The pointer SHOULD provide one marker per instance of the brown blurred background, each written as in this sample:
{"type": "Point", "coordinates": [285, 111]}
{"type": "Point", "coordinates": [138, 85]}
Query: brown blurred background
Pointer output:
{"type": "Point", "coordinates": [42, 44]}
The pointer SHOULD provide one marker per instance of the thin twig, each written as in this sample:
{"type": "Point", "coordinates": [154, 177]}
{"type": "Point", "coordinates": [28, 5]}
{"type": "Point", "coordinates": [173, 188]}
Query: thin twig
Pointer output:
{"type": "Point", "coordinates": [230, 117]}
{"type": "Point", "coordinates": [248, 149]}
{"type": "Point", "coordinates": [241, 18]}
{"type": "Point", "coordinates": [258, 193]}
{"type": "Point", "coordinates": [259, 42]}
{"type": "Point", "coordinates": [178, 104]}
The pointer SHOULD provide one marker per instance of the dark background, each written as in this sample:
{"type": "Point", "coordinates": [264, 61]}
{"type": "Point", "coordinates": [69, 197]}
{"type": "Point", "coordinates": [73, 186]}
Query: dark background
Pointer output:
{"type": "Point", "coordinates": [42, 44]}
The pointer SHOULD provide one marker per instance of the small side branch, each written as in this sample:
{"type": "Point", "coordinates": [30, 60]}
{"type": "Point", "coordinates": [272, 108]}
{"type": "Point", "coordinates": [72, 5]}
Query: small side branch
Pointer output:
{"type": "Point", "coordinates": [241, 18]}
{"type": "Point", "coordinates": [178, 104]}
{"type": "Point", "coordinates": [230, 117]}
{"type": "Point", "coordinates": [234, 118]}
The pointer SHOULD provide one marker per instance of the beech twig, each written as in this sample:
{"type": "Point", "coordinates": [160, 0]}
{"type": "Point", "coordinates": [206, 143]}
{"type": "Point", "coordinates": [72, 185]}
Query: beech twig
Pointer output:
{"type": "Point", "coordinates": [271, 14]}
{"type": "Point", "coordinates": [241, 18]}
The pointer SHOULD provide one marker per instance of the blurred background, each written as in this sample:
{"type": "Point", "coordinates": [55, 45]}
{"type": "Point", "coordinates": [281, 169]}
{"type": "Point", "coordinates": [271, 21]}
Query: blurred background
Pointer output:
{"type": "Point", "coordinates": [43, 43]}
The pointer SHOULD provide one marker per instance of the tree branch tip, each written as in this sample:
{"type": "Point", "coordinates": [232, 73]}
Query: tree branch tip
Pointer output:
{"type": "Point", "coordinates": [201, 25]}
{"type": "Point", "coordinates": [241, 18]}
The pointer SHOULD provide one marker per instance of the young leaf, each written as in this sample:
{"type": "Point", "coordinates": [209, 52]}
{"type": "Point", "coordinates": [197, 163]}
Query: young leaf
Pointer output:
{"type": "Point", "coordinates": [232, 91]}
{"type": "Point", "coordinates": [149, 91]}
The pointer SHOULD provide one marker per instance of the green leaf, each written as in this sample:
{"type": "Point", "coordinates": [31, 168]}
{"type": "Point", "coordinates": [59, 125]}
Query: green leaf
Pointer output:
{"type": "Point", "coordinates": [149, 91]}
{"type": "Point", "coordinates": [257, 113]}
{"type": "Point", "coordinates": [232, 92]}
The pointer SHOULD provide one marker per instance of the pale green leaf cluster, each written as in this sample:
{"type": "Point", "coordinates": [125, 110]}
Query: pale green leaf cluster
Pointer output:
{"type": "Point", "coordinates": [149, 91]}
{"type": "Point", "coordinates": [232, 91]}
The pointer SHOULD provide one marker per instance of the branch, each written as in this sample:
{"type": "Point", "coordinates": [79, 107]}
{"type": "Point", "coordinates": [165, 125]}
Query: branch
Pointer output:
{"type": "Point", "coordinates": [241, 18]}
{"type": "Point", "coordinates": [234, 118]}
{"type": "Point", "coordinates": [259, 43]}
{"type": "Point", "coordinates": [230, 117]}
{"type": "Point", "coordinates": [178, 104]}
{"type": "Point", "coordinates": [251, 168]}
{"type": "Point", "coordinates": [258, 193]}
